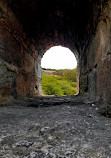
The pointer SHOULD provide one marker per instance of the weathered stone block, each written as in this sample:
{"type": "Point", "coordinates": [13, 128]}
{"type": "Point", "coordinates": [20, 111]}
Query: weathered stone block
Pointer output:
{"type": "Point", "coordinates": [104, 80]}
{"type": "Point", "coordinates": [10, 48]}
{"type": "Point", "coordinates": [7, 79]}
{"type": "Point", "coordinates": [83, 84]}
{"type": "Point", "coordinates": [92, 83]}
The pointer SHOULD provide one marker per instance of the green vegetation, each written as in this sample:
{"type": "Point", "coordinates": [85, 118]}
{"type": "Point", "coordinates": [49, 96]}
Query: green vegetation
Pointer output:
{"type": "Point", "coordinates": [59, 82]}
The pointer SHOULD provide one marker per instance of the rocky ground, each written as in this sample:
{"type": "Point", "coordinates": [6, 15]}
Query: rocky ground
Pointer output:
{"type": "Point", "coordinates": [55, 127]}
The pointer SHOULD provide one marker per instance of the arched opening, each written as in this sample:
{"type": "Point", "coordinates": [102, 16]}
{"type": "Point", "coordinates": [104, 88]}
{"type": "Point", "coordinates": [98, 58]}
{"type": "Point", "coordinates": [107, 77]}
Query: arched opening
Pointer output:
{"type": "Point", "coordinates": [59, 67]}
{"type": "Point", "coordinates": [31, 28]}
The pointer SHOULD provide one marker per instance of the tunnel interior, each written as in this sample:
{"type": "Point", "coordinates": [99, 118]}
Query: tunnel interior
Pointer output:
{"type": "Point", "coordinates": [28, 28]}
{"type": "Point", "coordinates": [66, 22]}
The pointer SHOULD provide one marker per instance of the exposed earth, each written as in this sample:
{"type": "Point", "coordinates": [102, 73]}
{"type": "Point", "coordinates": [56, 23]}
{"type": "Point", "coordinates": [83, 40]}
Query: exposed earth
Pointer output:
{"type": "Point", "coordinates": [54, 127]}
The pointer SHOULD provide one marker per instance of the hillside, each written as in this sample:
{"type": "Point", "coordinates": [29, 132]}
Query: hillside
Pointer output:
{"type": "Point", "coordinates": [59, 82]}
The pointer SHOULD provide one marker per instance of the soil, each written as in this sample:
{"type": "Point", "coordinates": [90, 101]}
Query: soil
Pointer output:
{"type": "Point", "coordinates": [54, 127]}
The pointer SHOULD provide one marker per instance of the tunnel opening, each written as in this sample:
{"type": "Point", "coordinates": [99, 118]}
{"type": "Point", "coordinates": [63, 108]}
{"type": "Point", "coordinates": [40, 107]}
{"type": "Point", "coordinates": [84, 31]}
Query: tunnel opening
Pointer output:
{"type": "Point", "coordinates": [28, 28]}
{"type": "Point", "coordinates": [59, 66]}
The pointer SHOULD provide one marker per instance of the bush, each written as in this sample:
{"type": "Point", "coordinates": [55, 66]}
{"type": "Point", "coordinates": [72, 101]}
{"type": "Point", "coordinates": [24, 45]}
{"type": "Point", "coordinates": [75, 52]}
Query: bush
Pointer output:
{"type": "Point", "coordinates": [57, 85]}
{"type": "Point", "coordinates": [67, 74]}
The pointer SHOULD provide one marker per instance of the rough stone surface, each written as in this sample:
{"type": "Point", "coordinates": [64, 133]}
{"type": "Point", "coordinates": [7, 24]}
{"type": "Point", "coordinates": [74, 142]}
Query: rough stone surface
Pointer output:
{"type": "Point", "coordinates": [96, 63]}
{"type": "Point", "coordinates": [7, 81]}
{"type": "Point", "coordinates": [17, 51]}
{"type": "Point", "coordinates": [70, 128]}
{"type": "Point", "coordinates": [28, 28]}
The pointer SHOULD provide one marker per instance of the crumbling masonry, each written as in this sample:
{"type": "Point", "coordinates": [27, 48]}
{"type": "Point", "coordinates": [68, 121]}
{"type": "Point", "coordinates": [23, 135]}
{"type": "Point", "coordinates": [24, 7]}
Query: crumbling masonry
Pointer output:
{"type": "Point", "coordinates": [28, 28]}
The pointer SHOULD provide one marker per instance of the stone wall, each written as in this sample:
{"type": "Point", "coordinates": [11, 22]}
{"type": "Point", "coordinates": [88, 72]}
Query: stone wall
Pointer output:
{"type": "Point", "coordinates": [103, 82]}
{"type": "Point", "coordinates": [24, 40]}
{"type": "Point", "coordinates": [95, 79]}
{"type": "Point", "coordinates": [18, 56]}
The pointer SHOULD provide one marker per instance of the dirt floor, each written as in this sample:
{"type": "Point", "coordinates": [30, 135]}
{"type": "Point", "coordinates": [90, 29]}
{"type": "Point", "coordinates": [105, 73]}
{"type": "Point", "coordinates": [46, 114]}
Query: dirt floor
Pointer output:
{"type": "Point", "coordinates": [54, 127]}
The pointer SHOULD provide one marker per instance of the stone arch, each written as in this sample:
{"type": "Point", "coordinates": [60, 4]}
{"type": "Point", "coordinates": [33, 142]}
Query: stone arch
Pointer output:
{"type": "Point", "coordinates": [29, 27]}
{"type": "Point", "coordinates": [39, 66]}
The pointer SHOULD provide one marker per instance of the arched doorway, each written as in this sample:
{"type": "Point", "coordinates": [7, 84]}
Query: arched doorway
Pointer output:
{"type": "Point", "coordinates": [59, 66]}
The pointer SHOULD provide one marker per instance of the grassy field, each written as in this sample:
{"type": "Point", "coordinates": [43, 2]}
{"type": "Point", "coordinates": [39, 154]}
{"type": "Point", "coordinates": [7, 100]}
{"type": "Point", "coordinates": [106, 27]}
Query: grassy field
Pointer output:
{"type": "Point", "coordinates": [59, 82]}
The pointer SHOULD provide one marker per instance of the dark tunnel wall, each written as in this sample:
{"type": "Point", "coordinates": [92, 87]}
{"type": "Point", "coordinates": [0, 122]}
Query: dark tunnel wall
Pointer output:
{"type": "Point", "coordinates": [30, 27]}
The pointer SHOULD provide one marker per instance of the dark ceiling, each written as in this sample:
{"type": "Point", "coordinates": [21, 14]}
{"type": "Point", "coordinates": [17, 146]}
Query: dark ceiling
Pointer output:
{"type": "Point", "coordinates": [75, 17]}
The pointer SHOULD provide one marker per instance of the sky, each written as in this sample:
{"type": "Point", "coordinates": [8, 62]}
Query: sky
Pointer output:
{"type": "Point", "coordinates": [59, 57]}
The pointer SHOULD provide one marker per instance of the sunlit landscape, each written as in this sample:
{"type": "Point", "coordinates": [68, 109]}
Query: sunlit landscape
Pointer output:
{"type": "Point", "coordinates": [59, 72]}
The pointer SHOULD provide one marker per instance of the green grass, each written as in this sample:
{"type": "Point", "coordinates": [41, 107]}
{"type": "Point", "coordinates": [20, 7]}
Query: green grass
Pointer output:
{"type": "Point", "coordinates": [58, 84]}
